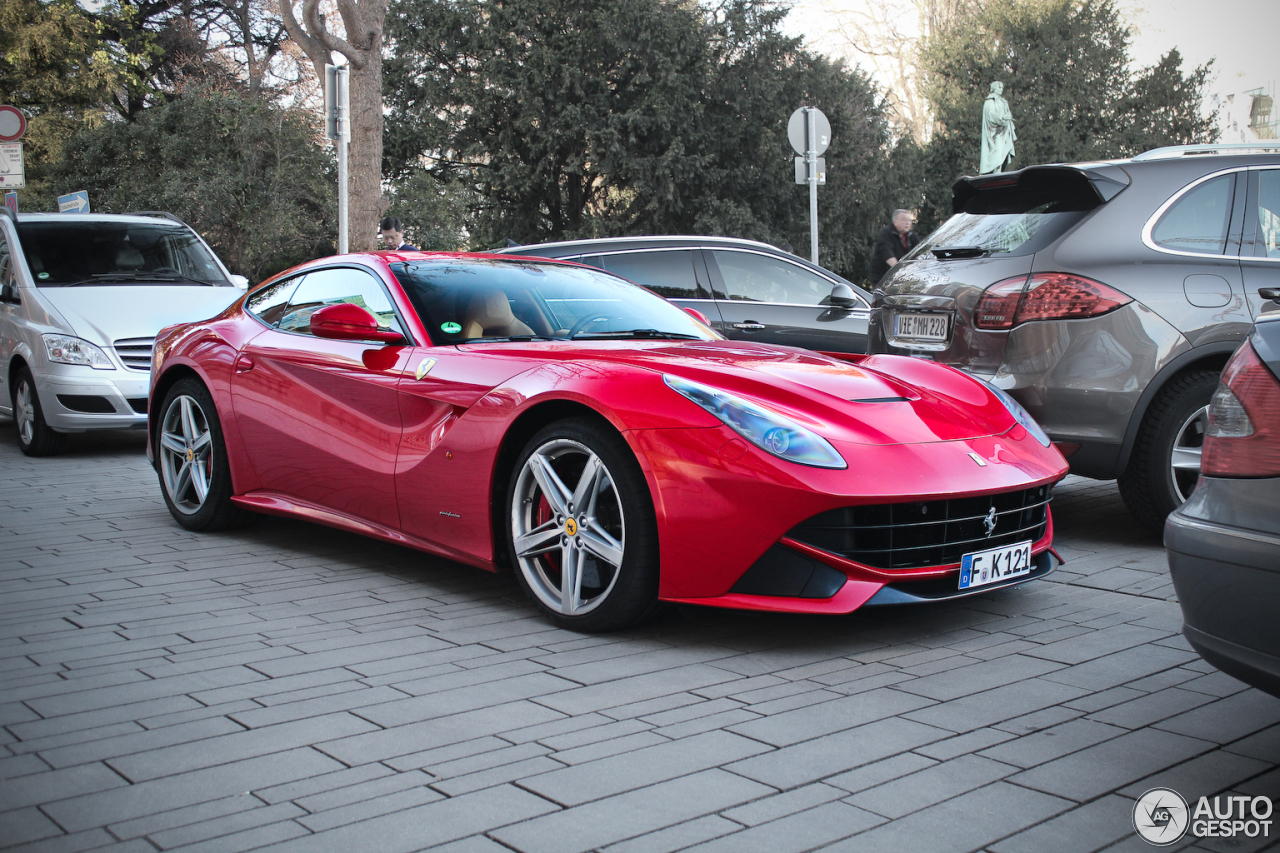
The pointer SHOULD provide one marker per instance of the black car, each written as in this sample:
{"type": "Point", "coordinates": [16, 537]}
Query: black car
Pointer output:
{"type": "Point", "coordinates": [1224, 542]}
{"type": "Point", "coordinates": [748, 290]}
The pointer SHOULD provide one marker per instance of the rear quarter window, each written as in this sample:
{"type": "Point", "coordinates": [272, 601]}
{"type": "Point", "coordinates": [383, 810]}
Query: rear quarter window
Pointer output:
{"type": "Point", "coordinates": [1199, 219]}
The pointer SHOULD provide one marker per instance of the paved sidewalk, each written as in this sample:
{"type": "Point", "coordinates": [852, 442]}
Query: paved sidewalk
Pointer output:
{"type": "Point", "coordinates": [293, 688]}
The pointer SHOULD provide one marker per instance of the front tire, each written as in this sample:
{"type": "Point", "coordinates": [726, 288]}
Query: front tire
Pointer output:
{"type": "Point", "coordinates": [35, 436]}
{"type": "Point", "coordinates": [1165, 463]}
{"type": "Point", "coordinates": [581, 529]}
{"type": "Point", "coordinates": [195, 477]}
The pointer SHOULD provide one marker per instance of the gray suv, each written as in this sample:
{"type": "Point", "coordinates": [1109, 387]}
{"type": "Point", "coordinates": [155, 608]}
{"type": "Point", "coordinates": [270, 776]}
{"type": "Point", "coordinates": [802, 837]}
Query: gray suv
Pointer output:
{"type": "Point", "coordinates": [747, 290]}
{"type": "Point", "coordinates": [1105, 297]}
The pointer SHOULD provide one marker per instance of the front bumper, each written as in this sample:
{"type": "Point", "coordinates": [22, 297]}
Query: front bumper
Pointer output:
{"type": "Point", "coordinates": [65, 397]}
{"type": "Point", "coordinates": [1228, 584]}
{"type": "Point", "coordinates": [724, 506]}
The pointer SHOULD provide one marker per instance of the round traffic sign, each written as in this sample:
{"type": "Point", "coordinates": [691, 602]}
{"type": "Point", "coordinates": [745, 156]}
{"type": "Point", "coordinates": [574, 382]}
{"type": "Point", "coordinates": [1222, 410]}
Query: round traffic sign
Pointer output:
{"type": "Point", "coordinates": [12, 123]}
{"type": "Point", "coordinates": [798, 130]}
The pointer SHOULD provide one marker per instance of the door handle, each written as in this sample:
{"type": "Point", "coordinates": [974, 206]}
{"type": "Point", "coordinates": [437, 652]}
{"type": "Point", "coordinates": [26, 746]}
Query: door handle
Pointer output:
{"type": "Point", "coordinates": [750, 324]}
{"type": "Point", "coordinates": [244, 364]}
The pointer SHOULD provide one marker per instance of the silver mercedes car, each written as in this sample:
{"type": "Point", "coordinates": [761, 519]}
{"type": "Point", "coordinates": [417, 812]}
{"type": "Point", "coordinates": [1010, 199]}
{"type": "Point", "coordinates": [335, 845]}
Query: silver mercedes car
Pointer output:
{"type": "Point", "coordinates": [82, 297]}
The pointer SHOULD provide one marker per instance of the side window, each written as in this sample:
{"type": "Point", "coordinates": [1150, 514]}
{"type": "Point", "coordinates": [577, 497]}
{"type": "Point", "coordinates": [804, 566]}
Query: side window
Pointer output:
{"type": "Point", "coordinates": [332, 286]}
{"type": "Point", "coordinates": [1266, 242]}
{"type": "Point", "coordinates": [268, 303]}
{"type": "Point", "coordinates": [668, 274]}
{"type": "Point", "coordinates": [749, 277]}
{"type": "Point", "coordinates": [7, 278]}
{"type": "Point", "coordinates": [1198, 221]}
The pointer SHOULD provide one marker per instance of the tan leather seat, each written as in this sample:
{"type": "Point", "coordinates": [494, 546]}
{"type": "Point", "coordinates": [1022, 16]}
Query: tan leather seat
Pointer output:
{"type": "Point", "coordinates": [489, 316]}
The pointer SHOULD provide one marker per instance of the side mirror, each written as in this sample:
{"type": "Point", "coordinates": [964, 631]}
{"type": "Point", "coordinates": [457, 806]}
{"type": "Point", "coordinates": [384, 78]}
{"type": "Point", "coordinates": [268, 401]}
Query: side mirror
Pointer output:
{"type": "Point", "coordinates": [240, 282]}
{"type": "Point", "coordinates": [347, 322]}
{"type": "Point", "coordinates": [842, 296]}
{"type": "Point", "coordinates": [699, 316]}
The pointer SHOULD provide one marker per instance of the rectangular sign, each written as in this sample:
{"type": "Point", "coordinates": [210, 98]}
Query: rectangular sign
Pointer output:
{"type": "Point", "coordinates": [12, 173]}
{"type": "Point", "coordinates": [76, 202]}
{"type": "Point", "coordinates": [11, 201]}
{"type": "Point", "coordinates": [802, 172]}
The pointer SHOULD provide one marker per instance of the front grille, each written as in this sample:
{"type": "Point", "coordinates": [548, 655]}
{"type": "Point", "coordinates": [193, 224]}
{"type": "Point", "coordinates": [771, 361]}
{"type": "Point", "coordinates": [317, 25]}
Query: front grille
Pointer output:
{"type": "Point", "coordinates": [135, 352]}
{"type": "Point", "coordinates": [926, 533]}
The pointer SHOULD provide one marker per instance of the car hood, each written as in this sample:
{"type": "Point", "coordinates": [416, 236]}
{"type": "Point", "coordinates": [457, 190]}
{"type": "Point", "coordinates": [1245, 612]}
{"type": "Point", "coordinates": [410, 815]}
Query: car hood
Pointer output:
{"type": "Point", "coordinates": [104, 314]}
{"type": "Point", "coordinates": [864, 400]}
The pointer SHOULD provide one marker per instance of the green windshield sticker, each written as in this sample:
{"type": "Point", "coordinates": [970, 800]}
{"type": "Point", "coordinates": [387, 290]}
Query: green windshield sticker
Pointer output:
{"type": "Point", "coordinates": [450, 328]}
{"type": "Point", "coordinates": [42, 275]}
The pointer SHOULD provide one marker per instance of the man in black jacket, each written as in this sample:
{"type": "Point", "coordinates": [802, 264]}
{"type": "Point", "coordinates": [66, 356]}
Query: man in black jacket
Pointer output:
{"type": "Point", "coordinates": [892, 243]}
{"type": "Point", "coordinates": [393, 235]}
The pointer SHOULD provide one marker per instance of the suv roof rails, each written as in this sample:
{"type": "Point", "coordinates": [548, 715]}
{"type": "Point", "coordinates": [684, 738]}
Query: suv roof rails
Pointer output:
{"type": "Point", "coordinates": [1173, 152]}
{"type": "Point", "coordinates": [163, 213]}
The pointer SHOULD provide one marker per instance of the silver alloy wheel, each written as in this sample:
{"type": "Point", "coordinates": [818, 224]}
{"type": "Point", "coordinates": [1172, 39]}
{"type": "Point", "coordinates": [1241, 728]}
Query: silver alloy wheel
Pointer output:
{"type": "Point", "coordinates": [186, 459]}
{"type": "Point", "coordinates": [567, 527]}
{"type": "Point", "coordinates": [1188, 447]}
{"type": "Point", "coordinates": [24, 411]}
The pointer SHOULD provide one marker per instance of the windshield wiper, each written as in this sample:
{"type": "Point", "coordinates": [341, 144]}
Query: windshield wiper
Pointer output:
{"type": "Point", "coordinates": [949, 253]}
{"type": "Point", "coordinates": [149, 276]}
{"type": "Point", "coordinates": [516, 338]}
{"type": "Point", "coordinates": [653, 334]}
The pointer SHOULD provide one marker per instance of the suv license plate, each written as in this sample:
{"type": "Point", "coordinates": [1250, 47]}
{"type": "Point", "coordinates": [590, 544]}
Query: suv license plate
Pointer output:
{"type": "Point", "coordinates": [995, 565]}
{"type": "Point", "coordinates": [924, 327]}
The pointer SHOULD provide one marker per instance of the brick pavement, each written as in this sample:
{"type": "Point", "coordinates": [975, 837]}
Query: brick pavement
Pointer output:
{"type": "Point", "coordinates": [293, 688]}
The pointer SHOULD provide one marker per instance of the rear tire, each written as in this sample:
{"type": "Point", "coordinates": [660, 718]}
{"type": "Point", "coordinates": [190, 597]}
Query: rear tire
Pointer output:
{"type": "Point", "coordinates": [191, 456]}
{"type": "Point", "coordinates": [1165, 462]}
{"type": "Point", "coordinates": [577, 498]}
{"type": "Point", "coordinates": [35, 436]}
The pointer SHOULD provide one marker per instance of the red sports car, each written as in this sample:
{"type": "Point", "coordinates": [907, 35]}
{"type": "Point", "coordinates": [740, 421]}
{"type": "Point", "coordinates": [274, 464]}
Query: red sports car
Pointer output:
{"type": "Point", "coordinates": [606, 445]}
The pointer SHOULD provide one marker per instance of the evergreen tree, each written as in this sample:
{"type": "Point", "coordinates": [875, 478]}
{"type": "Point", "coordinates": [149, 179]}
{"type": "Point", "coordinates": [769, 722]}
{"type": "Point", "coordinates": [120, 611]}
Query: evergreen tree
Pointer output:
{"type": "Point", "coordinates": [245, 174]}
{"type": "Point", "coordinates": [1066, 71]}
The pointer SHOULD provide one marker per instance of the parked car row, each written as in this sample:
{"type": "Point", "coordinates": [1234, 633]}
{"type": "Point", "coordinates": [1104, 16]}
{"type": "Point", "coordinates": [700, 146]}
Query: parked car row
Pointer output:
{"type": "Point", "coordinates": [510, 410]}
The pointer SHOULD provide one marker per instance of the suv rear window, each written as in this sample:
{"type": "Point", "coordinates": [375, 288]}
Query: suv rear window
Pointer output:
{"type": "Point", "coordinates": [1017, 217]}
{"type": "Point", "coordinates": [61, 253]}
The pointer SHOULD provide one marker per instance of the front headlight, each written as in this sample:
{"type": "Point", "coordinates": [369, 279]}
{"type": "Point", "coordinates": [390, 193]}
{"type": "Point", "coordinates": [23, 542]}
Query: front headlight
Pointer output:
{"type": "Point", "coordinates": [68, 350]}
{"type": "Point", "coordinates": [1020, 414]}
{"type": "Point", "coordinates": [767, 430]}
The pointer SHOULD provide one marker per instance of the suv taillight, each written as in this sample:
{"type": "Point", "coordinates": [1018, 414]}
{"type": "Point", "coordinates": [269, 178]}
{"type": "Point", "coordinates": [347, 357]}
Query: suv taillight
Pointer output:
{"type": "Point", "coordinates": [1243, 439]}
{"type": "Point", "coordinates": [1044, 296]}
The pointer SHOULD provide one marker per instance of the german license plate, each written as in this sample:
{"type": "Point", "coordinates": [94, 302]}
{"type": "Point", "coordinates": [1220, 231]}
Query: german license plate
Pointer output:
{"type": "Point", "coordinates": [995, 565]}
{"type": "Point", "coordinates": [922, 327]}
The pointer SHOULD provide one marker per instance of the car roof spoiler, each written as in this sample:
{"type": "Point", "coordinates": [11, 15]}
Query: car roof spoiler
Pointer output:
{"type": "Point", "coordinates": [1099, 182]}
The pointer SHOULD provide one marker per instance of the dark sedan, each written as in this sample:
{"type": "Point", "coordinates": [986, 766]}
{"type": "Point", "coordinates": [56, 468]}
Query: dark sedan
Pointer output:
{"type": "Point", "coordinates": [1224, 543]}
{"type": "Point", "coordinates": [748, 291]}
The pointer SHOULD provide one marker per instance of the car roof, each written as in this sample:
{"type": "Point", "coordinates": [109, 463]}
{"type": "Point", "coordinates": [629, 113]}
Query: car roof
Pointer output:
{"type": "Point", "coordinates": [655, 240]}
{"type": "Point", "coordinates": [139, 218]}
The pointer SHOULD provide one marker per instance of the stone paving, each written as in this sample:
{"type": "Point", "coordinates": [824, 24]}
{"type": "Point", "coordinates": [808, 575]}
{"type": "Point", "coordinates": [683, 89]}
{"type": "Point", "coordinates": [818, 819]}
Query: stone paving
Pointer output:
{"type": "Point", "coordinates": [294, 688]}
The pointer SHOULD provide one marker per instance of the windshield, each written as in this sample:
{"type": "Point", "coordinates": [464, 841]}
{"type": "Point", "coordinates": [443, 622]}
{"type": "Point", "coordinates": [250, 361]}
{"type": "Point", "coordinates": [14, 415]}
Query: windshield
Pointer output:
{"type": "Point", "coordinates": [471, 299]}
{"type": "Point", "coordinates": [63, 254]}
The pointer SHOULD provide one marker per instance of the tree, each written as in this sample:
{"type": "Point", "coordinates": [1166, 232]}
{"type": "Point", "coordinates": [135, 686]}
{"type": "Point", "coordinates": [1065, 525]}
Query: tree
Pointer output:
{"type": "Point", "coordinates": [360, 41]}
{"type": "Point", "coordinates": [888, 35]}
{"type": "Point", "coordinates": [1066, 73]}
{"type": "Point", "coordinates": [573, 119]}
{"type": "Point", "coordinates": [247, 175]}
{"type": "Point", "coordinates": [53, 68]}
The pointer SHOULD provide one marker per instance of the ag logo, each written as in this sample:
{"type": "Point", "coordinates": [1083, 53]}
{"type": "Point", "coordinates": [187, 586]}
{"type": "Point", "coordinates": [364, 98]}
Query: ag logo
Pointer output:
{"type": "Point", "coordinates": [1161, 817]}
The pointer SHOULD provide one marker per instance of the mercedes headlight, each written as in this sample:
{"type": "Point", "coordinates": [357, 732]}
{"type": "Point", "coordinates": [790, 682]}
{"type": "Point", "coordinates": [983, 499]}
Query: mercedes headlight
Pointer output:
{"type": "Point", "coordinates": [1020, 414]}
{"type": "Point", "coordinates": [68, 350]}
{"type": "Point", "coordinates": [766, 429]}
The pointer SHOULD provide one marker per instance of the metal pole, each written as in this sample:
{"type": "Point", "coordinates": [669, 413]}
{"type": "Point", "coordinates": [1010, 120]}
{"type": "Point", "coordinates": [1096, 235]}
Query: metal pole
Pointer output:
{"type": "Point", "coordinates": [344, 134]}
{"type": "Point", "coordinates": [811, 164]}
